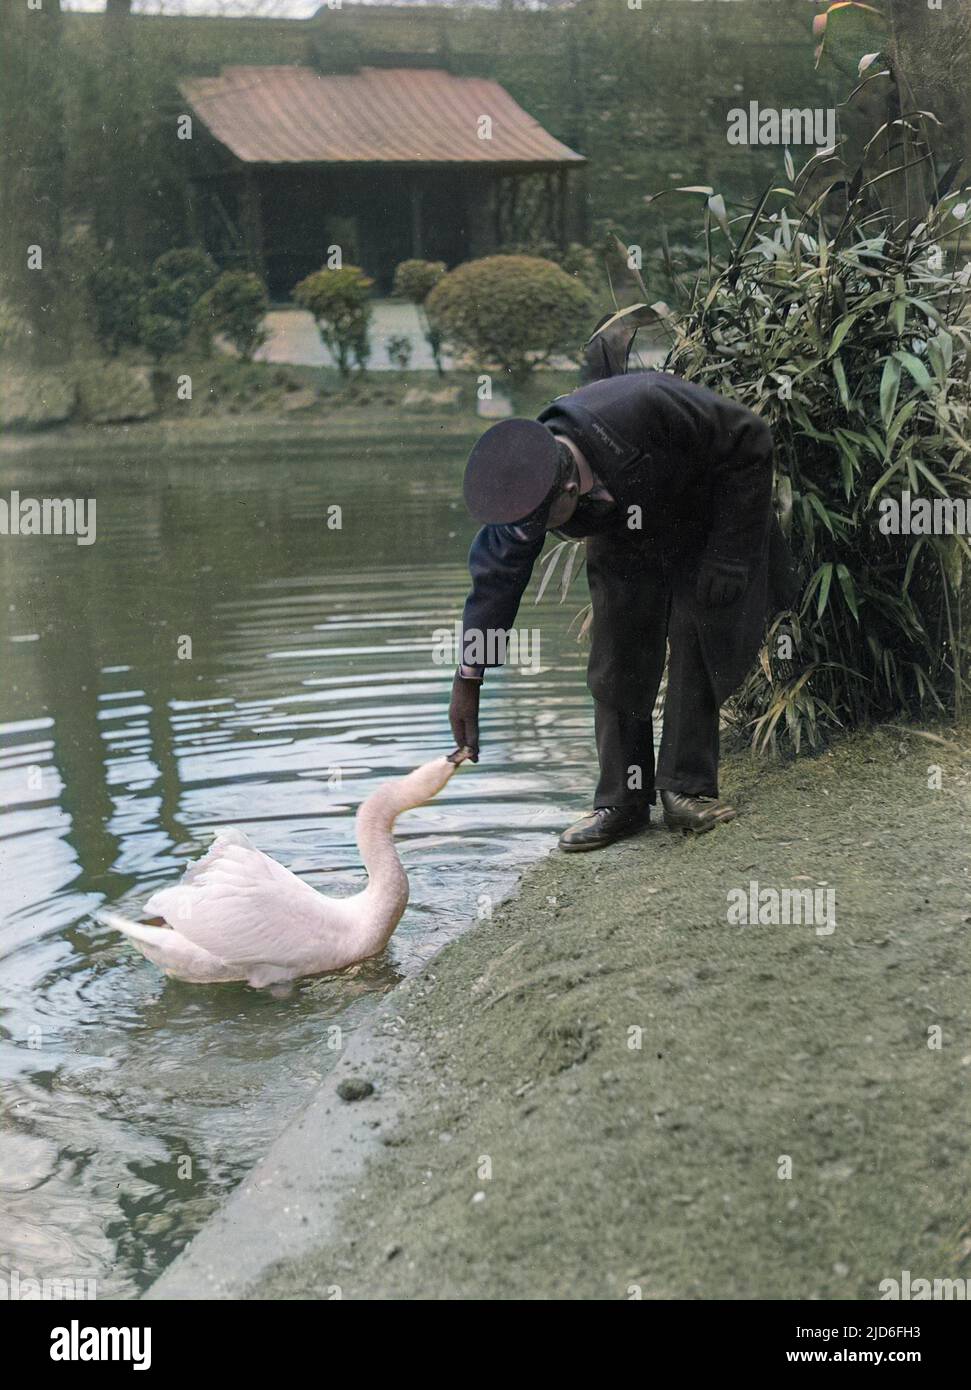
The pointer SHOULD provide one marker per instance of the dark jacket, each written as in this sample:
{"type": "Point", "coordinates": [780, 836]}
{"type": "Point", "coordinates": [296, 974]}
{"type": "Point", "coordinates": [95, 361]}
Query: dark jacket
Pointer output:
{"type": "Point", "coordinates": [698, 467]}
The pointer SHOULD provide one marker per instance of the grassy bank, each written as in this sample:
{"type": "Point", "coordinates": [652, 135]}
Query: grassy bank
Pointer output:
{"type": "Point", "coordinates": [236, 402]}
{"type": "Point", "coordinates": [618, 1169]}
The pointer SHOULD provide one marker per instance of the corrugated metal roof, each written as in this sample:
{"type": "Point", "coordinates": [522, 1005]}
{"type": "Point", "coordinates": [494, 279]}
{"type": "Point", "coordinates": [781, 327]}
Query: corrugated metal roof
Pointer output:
{"type": "Point", "coordinates": [293, 115]}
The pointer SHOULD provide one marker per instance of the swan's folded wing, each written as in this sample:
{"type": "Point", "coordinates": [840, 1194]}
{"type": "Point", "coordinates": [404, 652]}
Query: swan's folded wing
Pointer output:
{"type": "Point", "coordinates": [222, 840]}
{"type": "Point", "coordinates": [248, 909]}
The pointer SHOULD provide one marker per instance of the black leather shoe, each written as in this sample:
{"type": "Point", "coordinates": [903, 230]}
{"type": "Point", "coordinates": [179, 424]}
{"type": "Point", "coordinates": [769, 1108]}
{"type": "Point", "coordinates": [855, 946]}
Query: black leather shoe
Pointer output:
{"type": "Point", "coordinates": [603, 826]}
{"type": "Point", "coordinates": [695, 813]}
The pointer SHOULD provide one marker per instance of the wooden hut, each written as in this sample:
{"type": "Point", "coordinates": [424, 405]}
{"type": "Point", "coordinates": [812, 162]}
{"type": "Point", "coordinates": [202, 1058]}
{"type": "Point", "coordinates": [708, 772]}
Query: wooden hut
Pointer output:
{"type": "Point", "coordinates": [386, 163]}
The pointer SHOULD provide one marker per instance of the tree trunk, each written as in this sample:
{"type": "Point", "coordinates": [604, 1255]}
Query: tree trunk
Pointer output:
{"type": "Point", "coordinates": [933, 49]}
{"type": "Point", "coordinates": [116, 179]}
{"type": "Point", "coordinates": [32, 163]}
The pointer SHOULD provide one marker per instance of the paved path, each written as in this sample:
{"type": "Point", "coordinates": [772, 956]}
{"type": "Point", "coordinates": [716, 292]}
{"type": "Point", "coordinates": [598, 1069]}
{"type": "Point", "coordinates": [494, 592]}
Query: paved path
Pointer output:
{"type": "Point", "coordinates": [294, 338]}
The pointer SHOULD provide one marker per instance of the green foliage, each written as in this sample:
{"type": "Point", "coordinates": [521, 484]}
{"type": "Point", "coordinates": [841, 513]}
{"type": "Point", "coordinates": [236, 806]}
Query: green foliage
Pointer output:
{"type": "Point", "coordinates": [201, 327]}
{"type": "Point", "coordinates": [848, 333]}
{"type": "Point", "coordinates": [115, 293]}
{"type": "Point", "coordinates": [415, 280]}
{"type": "Point", "coordinates": [620, 86]}
{"type": "Point", "coordinates": [340, 301]}
{"type": "Point", "coordinates": [14, 332]}
{"type": "Point", "coordinates": [160, 334]}
{"type": "Point", "coordinates": [236, 306]}
{"type": "Point", "coordinates": [32, 177]}
{"type": "Point", "coordinates": [511, 311]}
{"type": "Point", "coordinates": [399, 351]}
{"type": "Point", "coordinates": [162, 302]}
{"type": "Point", "coordinates": [584, 263]}
{"type": "Point", "coordinates": [177, 282]}
{"type": "Point", "coordinates": [190, 268]}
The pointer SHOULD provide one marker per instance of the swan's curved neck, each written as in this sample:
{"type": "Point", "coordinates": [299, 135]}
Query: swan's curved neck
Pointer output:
{"type": "Point", "coordinates": [386, 895]}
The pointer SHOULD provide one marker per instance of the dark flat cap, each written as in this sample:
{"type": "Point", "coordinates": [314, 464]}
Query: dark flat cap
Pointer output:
{"type": "Point", "coordinates": [511, 471]}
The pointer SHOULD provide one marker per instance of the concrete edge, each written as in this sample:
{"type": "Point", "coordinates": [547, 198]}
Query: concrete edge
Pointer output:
{"type": "Point", "coordinates": [288, 1204]}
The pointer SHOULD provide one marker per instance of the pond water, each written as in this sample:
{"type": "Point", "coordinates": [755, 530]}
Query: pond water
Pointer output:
{"type": "Point", "coordinates": [129, 1104]}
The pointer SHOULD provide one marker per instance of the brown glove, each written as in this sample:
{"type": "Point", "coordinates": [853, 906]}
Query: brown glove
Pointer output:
{"type": "Point", "coordinates": [463, 714]}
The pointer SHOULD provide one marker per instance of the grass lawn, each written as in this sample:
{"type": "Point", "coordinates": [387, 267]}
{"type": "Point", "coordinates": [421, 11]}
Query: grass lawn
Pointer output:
{"type": "Point", "coordinates": [251, 402]}
{"type": "Point", "coordinates": [673, 1106]}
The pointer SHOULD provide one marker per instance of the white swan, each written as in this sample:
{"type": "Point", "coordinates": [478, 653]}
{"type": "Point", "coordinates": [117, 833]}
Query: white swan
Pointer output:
{"type": "Point", "coordinates": [237, 914]}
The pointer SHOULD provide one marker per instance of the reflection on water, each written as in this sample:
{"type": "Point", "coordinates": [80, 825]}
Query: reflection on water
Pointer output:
{"type": "Point", "coordinates": [130, 1104]}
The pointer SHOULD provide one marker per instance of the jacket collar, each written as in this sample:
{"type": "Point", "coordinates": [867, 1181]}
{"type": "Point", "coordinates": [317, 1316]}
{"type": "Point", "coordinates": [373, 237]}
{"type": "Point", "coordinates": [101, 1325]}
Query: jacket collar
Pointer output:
{"type": "Point", "coordinates": [606, 450]}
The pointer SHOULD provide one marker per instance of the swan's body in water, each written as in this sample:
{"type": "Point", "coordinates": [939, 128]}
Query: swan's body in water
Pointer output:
{"type": "Point", "coordinates": [237, 914]}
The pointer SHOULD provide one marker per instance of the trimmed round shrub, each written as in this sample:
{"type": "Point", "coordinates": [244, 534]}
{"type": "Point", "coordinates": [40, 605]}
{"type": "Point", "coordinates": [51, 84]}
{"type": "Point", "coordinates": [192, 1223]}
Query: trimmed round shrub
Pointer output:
{"type": "Point", "coordinates": [160, 334]}
{"type": "Point", "coordinates": [236, 307]}
{"type": "Point", "coordinates": [583, 263]}
{"type": "Point", "coordinates": [511, 311]}
{"type": "Point", "coordinates": [116, 293]}
{"type": "Point", "coordinates": [187, 266]}
{"type": "Point", "coordinates": [415, 280]}
{"type": "Point", "coordinates": [340, 301]}
{"type": "Point", "coordinates": [178, 280]}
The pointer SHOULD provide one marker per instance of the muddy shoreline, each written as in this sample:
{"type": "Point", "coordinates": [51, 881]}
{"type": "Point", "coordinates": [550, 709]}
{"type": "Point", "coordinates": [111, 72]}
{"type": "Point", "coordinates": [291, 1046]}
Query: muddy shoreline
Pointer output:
{"type": "Point", "coordinates": [609, 1091]}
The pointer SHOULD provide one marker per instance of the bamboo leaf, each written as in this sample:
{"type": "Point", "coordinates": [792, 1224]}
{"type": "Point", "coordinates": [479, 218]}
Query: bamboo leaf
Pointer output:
{"type": "Point", "coordinates": [716, 206]}
{"type": "Point", "coordinates": [915, 550]}
{"type": "Point", "coordinates": [643, 314]}
{"type": "Point", "coordinates": [686, 188]}
{"type": "Point", "coordinates": [571, 560]}
{"type": "Point", "coordinates": [550, 561]}
{"type": "Point", "coordinates": [842, 328]}
{"type": "Point", "coordinates": [848, 588]}
{"type": "Point", "coordinates": [933, 314]}
{"type": "Point", "coordinates": [822, 513]}
{"type": "Point", "coordinates": [916, 369]}
{"type": "Point", "coordinates": [879, 485]}
{"type": "Point", "coordinates": [935, 483]}
{"type": "Point", "coordinates": [889, 387]}
{"type": "Point", "coordinates": [902, 417]}
{"type": "Point", "coordinates": [898, 311]}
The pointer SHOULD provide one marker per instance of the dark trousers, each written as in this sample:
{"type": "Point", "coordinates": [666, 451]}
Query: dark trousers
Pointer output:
{"type": "Point", "coordinates": [688, 755]}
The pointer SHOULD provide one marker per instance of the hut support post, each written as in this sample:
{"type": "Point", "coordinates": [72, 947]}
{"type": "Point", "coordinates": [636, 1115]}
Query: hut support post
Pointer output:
{"type": "Point", "coordinates": [417, 245]}
{"type": "Point", "coordinates": [252, 219]}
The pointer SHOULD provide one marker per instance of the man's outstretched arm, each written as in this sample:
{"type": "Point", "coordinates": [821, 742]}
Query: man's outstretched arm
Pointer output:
{"type": "Point", "coordinates": [500, 562]}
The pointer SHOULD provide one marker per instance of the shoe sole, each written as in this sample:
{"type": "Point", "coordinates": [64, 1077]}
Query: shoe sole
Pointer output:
{"type": "Point", "coordinates": [603, 844]}
{"type": "Point", "coordinates": [698, 829]}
